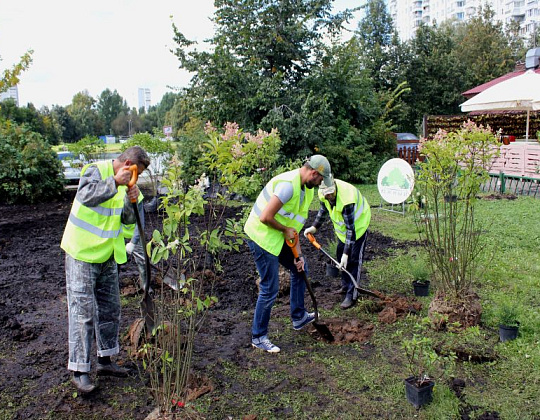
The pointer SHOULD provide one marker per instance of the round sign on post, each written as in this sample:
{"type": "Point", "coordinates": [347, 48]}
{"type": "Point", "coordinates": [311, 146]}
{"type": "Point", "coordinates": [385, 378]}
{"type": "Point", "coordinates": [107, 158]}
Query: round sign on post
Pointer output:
{"type": "Point", "coordinates": [395, 181]}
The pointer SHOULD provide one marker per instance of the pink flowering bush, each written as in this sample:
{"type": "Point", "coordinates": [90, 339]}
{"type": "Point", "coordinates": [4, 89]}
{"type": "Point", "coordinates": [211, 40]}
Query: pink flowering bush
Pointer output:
{"type": "Point", "coordinates": [241, 161]}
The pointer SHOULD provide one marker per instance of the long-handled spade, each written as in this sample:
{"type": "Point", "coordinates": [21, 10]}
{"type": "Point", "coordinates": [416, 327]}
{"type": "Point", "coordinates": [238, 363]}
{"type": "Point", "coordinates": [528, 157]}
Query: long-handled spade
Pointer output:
{"type": "Point", "coordinates": [147, 304]}
{"type": "Point", "coordinates": [356, 286]}
{"type": "Point", "coordinates": [323, 329]}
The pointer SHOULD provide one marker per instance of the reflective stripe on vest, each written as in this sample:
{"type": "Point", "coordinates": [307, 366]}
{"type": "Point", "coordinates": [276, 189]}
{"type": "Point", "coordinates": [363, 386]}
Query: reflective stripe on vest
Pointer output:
{"type": "Point", "coordinates": [292, 214]}
{"type": "Point", "coordinates": [93, 234]}
{"type": "Point", "coordinates": [348, 194]}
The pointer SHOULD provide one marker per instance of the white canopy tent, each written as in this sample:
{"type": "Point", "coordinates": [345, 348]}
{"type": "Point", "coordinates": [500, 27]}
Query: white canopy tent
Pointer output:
{"type": "Point", "coordinates": [520, 93]}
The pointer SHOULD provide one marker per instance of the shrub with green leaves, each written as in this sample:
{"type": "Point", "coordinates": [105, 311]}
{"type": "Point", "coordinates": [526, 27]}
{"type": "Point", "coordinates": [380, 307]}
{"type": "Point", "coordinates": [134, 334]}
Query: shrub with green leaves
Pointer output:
{"type": "Point", "coordinates": [89, 147]}
{"type": "Point", "coordinates": [30, 171]}
{"type": "Point", "coordinates": [449, 179]}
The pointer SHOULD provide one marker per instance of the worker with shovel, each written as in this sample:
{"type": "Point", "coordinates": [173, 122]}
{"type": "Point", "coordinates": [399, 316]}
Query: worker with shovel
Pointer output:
{"type": "Point", "coordinates": [94, 245]}
{"type": "Point", "coordinates": [350, 214]}
{"type": "Point", "coordinates": [278, 214]}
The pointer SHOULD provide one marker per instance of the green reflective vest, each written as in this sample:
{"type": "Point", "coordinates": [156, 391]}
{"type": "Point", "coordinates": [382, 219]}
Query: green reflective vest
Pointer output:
{"type": "Point", "coordinates": [348, 194]}
{"type": "Point", "coordinates": [93, 234]}
{"type": "Point", "coordinates": [292, 214]}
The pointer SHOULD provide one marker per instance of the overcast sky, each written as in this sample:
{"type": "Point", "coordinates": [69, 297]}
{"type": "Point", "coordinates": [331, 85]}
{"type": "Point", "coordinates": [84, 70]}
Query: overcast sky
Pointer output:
{"type": "Point", "coordinates": [99, 44]}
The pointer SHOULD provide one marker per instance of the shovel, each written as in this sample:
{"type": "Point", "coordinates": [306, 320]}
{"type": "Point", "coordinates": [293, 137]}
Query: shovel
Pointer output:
{"type": "Point", "coordinates": [320, 248]}
{"type": "Point", "coordinates": [147, 304]}
{"type": "Point", "coordinates": [323, 329]}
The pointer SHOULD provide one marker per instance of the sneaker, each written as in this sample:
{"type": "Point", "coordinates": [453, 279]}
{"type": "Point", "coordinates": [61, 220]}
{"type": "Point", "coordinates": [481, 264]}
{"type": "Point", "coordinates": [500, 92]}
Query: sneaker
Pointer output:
{"type": "Point", "coordinates": [308, 319]}
{"type": "Point", "coordinates": [265, 344]}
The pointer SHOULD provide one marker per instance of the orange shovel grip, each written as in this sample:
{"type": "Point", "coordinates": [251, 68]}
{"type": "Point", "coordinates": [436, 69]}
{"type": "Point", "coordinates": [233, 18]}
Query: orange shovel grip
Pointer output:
{"type": "Point", "coordinates": [134, 176]}
{"type": "Point", "coordinates": [313, 241]}
{"type": "Point", "coordinates": [293, 244]}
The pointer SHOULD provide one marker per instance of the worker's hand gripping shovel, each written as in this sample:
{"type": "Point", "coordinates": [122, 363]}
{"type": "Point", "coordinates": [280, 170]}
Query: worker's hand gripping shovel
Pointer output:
{"type": "Point", "coordinates": [320, 248]}
{"type": "Point", "coordinates": [147, 304]}
{"type": "Point", "coordinates": [323, 330]}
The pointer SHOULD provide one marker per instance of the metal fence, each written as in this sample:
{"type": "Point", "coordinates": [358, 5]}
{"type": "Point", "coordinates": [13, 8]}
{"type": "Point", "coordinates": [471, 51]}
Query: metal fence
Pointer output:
{"type": "Point", "coordinates": [519, 185]}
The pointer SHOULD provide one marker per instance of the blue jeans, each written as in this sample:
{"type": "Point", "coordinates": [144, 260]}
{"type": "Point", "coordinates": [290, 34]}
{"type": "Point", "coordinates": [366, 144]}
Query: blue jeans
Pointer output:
{"type": "Point", "coordinates": [268, 268]}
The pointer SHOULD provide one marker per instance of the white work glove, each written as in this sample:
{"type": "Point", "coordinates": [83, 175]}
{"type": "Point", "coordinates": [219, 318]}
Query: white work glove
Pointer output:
{"type": "Point", "coordinates": [343, 263]}
{"type": "Point", "coordinates": [130, 247]}
{"type": "Point", "coordinates": [311, 229]}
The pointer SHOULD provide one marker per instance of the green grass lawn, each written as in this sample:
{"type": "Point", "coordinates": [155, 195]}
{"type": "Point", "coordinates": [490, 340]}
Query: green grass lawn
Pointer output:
{"type": "Point", "coordinates": [365, 380]}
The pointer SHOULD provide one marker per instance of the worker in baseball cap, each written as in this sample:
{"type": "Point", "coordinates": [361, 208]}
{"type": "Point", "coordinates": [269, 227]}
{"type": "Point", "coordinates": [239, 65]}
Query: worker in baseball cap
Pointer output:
{"type": "Point", "coordinates": [279, 213]}
{"type": "Point", "coordinates": [350, 214]}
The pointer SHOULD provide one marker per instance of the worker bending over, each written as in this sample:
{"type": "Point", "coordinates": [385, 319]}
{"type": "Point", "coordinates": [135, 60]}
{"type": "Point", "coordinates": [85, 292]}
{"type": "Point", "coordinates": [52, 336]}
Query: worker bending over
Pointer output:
{"type": "Point", "coordinates": [350, 214]}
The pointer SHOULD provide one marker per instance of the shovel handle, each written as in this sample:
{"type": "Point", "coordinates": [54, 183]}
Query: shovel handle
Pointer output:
{"type": "Point", "coordinates": [313, 241]}
{"type": "Point", "coordinates": [292, 245]}
{"type": "Point", "coordinates": [134, 176]}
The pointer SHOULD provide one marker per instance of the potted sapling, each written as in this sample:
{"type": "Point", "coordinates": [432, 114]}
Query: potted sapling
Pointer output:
{"type": "Point", "coordinates": [420, 273]}
{"type": "Point", "coordinates": [507, 315]}
{"type": "Point", "coordinates": [423, 364]}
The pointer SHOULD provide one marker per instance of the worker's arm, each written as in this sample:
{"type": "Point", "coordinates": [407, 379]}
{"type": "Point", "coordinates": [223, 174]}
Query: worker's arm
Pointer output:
{"type": "Point", "coordinates": [268, 218]}
{"type": "Point", "coordinates": [93, 191]}
{"type": "Point", "coordinates": [350, 235]}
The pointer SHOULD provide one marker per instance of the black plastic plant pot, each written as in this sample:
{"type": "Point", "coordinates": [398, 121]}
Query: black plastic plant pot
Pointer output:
{"type": "Point", "coordinates": [418, 396]}
{"type": "Point", "coordinates": [332, 271]}
{"type": "Point", "coordinates": [421, 289]}
{"type": "Point", "coordinates": [508, 333]}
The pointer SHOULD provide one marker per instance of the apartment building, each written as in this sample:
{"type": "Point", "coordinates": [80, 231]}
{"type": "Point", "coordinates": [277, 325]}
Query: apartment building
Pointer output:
{"type": "Point", "coordinates": [11, 93]}
{"type": "Point", "coordinates": [144, 99]}
{"type": "Point", "coordinates": [409, 14]}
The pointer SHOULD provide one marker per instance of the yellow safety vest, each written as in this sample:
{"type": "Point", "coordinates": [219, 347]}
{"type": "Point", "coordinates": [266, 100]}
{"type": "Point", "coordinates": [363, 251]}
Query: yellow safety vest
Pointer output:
{"type": "Point", "coordinates": [93, 234]}
{"type": "Point", "coordinates": [348, 194]}
{"type": "Point", "coordinates": [292, 214]}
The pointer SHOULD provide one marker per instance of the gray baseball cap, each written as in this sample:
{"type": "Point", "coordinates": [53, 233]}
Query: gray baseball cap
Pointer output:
{"type": "Point", "coordinates": [322, 166]}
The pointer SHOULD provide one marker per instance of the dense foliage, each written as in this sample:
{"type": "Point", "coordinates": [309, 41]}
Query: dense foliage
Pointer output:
{"type": "Point", "coordinates": [30, 171]}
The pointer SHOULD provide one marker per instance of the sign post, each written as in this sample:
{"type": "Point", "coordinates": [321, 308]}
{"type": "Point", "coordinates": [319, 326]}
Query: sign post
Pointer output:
{"type": "Point", "coordinates": [167, 130]}
{"type": "Point", "coordinates": [395, 183]}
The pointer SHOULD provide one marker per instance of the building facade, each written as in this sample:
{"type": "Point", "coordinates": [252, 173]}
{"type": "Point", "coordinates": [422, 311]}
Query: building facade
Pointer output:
{"type": "Point", "coordinates": [144, 99]}
{"type": "Point", "coordinates": [409, 14]}
{"type": "Point", "coordinates": [11, 93]}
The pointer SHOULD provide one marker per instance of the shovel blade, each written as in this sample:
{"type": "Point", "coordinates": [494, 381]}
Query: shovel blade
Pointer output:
{"type": "Point", "coordinates": [324, 331]}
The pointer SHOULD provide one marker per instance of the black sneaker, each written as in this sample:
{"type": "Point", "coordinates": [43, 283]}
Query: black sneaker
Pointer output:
{"type": "Point", "coordinates": [111, 369]}
{"type": "Point", "coordinates": [83, 383]}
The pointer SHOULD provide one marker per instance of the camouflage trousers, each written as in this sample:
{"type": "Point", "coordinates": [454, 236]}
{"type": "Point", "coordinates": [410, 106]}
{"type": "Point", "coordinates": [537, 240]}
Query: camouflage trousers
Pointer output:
{"type": "Point", "coordinates": [93, 298]}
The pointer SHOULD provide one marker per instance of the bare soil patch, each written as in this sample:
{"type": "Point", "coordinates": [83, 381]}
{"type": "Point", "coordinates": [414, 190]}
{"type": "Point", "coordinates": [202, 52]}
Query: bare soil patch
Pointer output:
{"type": "Point", "coordinates": [34, 380]}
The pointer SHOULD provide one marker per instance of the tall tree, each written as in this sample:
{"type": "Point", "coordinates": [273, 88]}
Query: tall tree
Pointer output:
{"type": "Point", "coordinates": [435, 74]}
{"type": "Point", "coordinates": [380, 47]}
{"type": "Point", "coordinates": [485, 48]}
{"type": "Point", "coordinates": [83, 112]}
{"type": "Point", "coordinates": [68, 129]}
{"type": "Point", "coordinates": [109, 106]}
{"type": "Point", "coordinates": [260, 51]}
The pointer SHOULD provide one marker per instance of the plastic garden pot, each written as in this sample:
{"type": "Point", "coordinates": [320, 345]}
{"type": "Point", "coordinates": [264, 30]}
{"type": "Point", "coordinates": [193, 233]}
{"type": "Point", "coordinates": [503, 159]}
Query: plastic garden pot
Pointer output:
{"type": "Point", "coordinates": [507, 333]}
{"type": "Point", "coordinates": [332, 271]}
{"type": "Point", "coordinates": [421, 289]}
{"type": "Point", "coordinates": [418, 396]}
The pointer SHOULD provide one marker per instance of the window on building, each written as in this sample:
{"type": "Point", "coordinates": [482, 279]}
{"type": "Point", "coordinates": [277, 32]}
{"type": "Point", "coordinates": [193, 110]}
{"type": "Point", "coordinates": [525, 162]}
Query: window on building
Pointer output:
{"type": "Point", "coordinates": [460, 3]}
{"type": "Point", "coordinates": [460, 15]}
